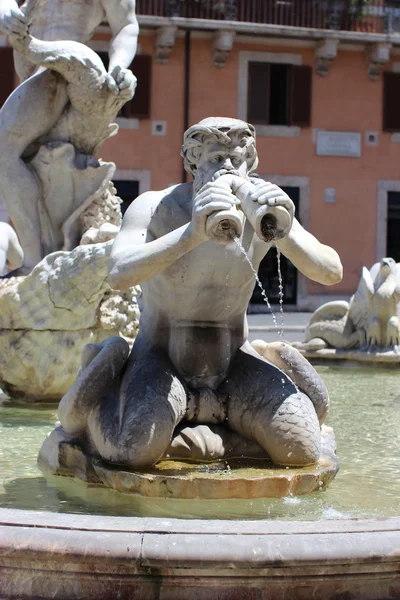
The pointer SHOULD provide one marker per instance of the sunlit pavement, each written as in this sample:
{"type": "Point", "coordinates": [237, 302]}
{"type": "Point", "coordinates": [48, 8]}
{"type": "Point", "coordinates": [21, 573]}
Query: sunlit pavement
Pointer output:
{"type": "Point", "coordinates": [262, 326]}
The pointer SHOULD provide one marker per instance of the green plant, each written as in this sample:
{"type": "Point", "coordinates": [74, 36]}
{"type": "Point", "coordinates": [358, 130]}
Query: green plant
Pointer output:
{"type": "Point", "coordinates": [357, 8]}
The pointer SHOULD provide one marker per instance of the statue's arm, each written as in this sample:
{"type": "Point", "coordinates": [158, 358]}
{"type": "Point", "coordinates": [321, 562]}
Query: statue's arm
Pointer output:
{"type": "Point", "coordinates": [137, 255]}
{"type": "Point", "coordinates": [315, 260]}
{"type": "Point", "coordinates": [12, 19]}
{"type": "Point", "coordinates": [121, 16]}
{"type": "Point", "coordinates": [15, 254]}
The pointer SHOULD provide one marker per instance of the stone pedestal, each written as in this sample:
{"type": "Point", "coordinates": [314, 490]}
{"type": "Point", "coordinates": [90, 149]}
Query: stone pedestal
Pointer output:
{"type": "Point", "coordinates": [227, 479]}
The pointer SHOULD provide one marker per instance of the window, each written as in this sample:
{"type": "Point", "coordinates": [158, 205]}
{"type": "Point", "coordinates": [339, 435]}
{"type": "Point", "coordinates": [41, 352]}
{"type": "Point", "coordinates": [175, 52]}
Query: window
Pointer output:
{"type": "Point", "coordinates": [140, 105]}
{"type": "Point", "coordinates": [279, 94]}
{"type": "Point", "coordinates": [393, 225]}
{"type": "Point", "coordinates": [391, 101]}
{"type": "Point", "coordinates": [6, 74]}
{"type": "Point", "coordinates": [127, 190]}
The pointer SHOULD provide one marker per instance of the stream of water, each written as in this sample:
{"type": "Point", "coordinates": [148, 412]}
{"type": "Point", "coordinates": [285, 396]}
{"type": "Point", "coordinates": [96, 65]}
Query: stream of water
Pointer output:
{"type": "Point", "coordinates": [260, 285]}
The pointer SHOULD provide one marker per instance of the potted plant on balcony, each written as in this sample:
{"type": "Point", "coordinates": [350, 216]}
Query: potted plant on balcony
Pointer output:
{"type": "Point", "coordinates": [358, 16]}
{"type": "Point", "coordinates": [221, 9]}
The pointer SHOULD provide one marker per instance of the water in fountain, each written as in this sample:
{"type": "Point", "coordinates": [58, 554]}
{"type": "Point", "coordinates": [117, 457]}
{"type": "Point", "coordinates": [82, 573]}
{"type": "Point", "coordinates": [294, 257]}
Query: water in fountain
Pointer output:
{"type": "Point", "coordinates": [367, 485]}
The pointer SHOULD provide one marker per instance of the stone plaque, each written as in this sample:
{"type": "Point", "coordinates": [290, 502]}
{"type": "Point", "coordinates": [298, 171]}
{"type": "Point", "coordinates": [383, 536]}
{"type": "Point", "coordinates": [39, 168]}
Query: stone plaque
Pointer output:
{"type": "Point", "coordinates": [339, 143]}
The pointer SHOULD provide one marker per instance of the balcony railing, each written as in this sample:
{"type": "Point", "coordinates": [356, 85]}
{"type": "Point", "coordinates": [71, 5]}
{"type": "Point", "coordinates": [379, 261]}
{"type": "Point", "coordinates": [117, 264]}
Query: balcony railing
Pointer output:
{"type": "Point", "coordinates": [379, 16]}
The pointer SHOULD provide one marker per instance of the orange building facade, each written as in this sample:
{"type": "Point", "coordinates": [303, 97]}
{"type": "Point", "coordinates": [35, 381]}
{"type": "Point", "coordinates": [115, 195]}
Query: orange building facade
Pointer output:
{"type": "Point", "coordinates": [335, 146]}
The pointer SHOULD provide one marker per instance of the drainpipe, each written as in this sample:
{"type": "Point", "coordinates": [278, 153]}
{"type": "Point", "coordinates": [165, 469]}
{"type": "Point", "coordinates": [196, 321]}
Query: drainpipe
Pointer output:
{"type": "Point", "coordinates": [186, 92]}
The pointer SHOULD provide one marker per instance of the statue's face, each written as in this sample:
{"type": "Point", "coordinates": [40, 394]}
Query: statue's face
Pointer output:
{"type": "Point", "coordinates": [218, 159]}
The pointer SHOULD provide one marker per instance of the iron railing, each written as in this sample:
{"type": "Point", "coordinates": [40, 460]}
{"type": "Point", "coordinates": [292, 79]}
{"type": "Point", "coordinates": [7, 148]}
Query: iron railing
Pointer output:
{"type": "Point", "coordinates": [377, 16]}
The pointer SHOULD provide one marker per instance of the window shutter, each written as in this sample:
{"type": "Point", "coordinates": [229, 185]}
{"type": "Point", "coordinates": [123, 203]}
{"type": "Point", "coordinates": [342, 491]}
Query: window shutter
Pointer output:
{"type": "Point", "coordinates": [391, 101]}
{"type": "Point", "coordinates": [6, 74]}
{"type": "Point", "coordinates": [258, 93]}
{"type": "Point", "coordinates": [140, 105]}
{"type": "Point", "coordinates": [300, 95]}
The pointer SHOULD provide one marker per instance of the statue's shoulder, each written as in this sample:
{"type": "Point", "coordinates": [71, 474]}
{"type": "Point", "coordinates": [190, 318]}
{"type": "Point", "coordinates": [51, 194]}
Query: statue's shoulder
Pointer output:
{"type": "Point", "coordinates": [158, 202]}
{"type": "Point", "coordinates": [173, 197]}
{"type": "Point", "coordinates": [181, 192]}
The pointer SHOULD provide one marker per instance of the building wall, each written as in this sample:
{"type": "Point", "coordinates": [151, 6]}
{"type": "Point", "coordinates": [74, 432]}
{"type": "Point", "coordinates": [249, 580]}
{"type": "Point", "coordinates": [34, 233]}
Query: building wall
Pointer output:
{"type": "Point", "coordinates": [345, 100]}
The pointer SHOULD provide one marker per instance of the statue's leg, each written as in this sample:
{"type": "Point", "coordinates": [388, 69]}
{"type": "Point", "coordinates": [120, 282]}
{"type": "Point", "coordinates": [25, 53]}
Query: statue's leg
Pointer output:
{"type": "Point", "coordinates": [137, 430]}
{"type": "Point", "coordinates": [101, 367]}
{"type": "Point", "coordinates": [29, 113]}
{"type": "Point", "coordinates": [392, 332]}
{"type": "Point", "coordinates": [374, 337]}
{"type": "Point", "coordinates": [265, 405]}
{"type": "Point", "coordinates": [300, 371]}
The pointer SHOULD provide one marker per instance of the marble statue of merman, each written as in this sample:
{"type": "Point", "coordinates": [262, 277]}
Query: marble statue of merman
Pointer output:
{"type": "Point", "coordinates": [193, 385]}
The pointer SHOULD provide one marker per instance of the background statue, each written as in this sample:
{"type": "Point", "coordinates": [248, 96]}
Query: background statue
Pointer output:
{"type": "Point", "coordinates": [193, 384]}
{"type": "Point", "coordinates": [60, 114]}
{"type": "Point", "coordinates": [11, 253]}
{"type": "Point", "coordinates": [59, 195]}
{"type": "Point", "coordinates": [370, 321]}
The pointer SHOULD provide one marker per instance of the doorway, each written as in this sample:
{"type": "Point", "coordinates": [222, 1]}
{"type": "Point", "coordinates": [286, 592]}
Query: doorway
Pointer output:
{"type": "Point", "coordinates": [393, 226]}
{"type": "Point", "coordinates": [127, 190]}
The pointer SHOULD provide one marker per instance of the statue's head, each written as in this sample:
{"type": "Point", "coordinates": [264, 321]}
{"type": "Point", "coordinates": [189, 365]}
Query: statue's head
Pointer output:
{"type": "Point", "coordinates": [216, 137]}
{"type": "Point", "coordinates": [388, 266]}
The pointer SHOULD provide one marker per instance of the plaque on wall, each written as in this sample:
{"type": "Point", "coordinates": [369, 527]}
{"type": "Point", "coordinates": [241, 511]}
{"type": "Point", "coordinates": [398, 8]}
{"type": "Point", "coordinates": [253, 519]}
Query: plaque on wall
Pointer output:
{"type": "Point", "coordinates": [339, 143]}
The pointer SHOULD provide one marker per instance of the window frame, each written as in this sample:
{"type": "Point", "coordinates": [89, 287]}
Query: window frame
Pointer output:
{"type": "Point", "coordinates": [245, 57]}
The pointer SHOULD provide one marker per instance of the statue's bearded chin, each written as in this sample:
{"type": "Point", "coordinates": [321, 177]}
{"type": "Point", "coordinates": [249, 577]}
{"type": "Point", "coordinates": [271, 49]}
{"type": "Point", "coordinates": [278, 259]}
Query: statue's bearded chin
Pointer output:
{"type": "Point", "coordinates": [201, 178]}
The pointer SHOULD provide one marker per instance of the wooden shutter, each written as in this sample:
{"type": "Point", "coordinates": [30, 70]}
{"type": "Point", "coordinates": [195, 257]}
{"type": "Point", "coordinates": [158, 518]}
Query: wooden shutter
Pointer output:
{"type": "Point", "coordinates": [391, 101]}
{"type": "Point", "coordinates": [7, 74]}
{"type": "Point", "coordinates": [140, 105]}
{"type": "Point", "coordinates": [300, 95]}
{"type": "Point", "coordinates": [258, 93]}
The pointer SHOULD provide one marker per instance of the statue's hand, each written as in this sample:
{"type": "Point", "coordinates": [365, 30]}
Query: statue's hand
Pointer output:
{"type": "Point", "coordinates": [212, 198]}
{"type": "Point", "coordinates": [271, 194]}
{"type": "Point", "coordinates": [122, 81]}
{"type": "Point", "coordinates": [13, 22]}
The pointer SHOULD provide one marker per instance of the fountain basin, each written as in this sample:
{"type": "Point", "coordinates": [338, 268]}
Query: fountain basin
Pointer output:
{"type": "Point", "coordinates": [342, 543]}
{"type": "Point", "coordinates": [43, 555]}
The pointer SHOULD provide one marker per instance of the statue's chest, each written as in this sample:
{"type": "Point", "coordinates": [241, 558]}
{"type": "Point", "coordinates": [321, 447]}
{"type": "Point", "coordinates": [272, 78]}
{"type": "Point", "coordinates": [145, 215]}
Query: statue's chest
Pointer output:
{"type": "Point", "coordinates": [64, 19]}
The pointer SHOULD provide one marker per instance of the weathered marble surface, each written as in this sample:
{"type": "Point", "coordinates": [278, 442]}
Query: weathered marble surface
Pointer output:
{"type": "Point", "coordinates": [366, 325]}
{"type": "Point", "coordinates": [193, 382]}
{"type": "Point", "coordinates": [58, 193]}
{"type": "Point", "coordinates": [47, 317]}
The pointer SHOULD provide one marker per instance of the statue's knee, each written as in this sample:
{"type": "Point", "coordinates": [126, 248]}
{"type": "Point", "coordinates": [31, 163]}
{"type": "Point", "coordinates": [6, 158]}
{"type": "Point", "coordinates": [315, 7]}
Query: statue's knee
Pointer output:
{"type": "Point", "coordinates": [89, 353]}
{"type": "Point", "coordinates": [130, 449]}
{"type": "Point", "coordinates": [299, 455]}
{"type": "Point", "coordinates": [136, 457]}
{"type": "Point", "coordinates": [292, 433]}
